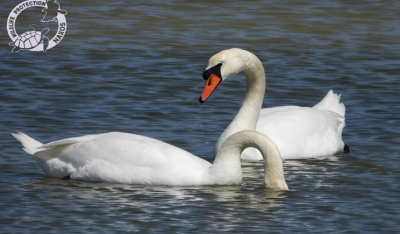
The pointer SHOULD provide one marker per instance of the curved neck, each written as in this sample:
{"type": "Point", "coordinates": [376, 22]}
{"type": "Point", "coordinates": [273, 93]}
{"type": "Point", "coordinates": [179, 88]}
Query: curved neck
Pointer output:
{"type": "Point", "coordinates": [274, 176]}
{"type": "Point", "coordinates": [249, 112]}
{"type": "Point", "coordinates": [227, 160]}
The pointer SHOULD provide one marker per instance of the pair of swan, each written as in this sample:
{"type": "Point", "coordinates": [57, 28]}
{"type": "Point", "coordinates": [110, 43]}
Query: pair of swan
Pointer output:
{"type": "Point", "coordinates": [298, 132]}
{"type": "Point", "coordinates": [134, 159]}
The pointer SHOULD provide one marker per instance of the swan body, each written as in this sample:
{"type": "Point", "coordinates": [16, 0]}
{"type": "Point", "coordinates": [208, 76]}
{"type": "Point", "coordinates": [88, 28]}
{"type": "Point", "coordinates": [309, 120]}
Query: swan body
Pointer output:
{"type": "Point", "coordinates": [133, 159]}
{"type": "Point", "coordinates": [299, 132]}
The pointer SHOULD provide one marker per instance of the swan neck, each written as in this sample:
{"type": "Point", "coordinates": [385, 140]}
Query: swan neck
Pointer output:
{"type": "Point", "coordinates": [249, 112]}
{"type": "Point", "coordinates": [228, 157]}
{"type": "Point", "coordinates": [274, 176]}
{"type": "Point", "coordinates": [226, 168]}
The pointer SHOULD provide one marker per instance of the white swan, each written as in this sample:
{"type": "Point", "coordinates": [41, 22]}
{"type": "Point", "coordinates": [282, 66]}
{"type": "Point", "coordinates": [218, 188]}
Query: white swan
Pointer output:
{"type": "Point", "coordinates": [299, 132]}
{"type": "Point", "coordinates": [134, 159]}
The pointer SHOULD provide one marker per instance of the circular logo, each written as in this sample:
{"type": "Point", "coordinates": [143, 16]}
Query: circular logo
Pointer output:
{"type": "Point", "coordinates": [37, 38]}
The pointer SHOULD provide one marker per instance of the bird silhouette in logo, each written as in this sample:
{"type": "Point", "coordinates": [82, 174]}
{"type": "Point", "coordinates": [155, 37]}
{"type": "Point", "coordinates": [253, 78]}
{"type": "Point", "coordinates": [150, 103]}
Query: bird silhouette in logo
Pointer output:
{"type": "Point", "coordinates": [51, 11]}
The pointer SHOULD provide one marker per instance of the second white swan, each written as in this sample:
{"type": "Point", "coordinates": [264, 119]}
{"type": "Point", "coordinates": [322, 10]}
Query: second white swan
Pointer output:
{"type": "Point", "coordinates": [298, 132]}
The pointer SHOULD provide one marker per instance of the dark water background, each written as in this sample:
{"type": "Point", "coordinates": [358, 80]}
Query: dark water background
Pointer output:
{"type": "Point", "coordinates": [135, 66]}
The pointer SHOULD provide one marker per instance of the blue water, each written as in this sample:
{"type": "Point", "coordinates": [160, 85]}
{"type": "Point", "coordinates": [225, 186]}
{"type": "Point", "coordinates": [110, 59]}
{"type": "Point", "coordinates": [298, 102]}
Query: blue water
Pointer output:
{"type": "Point", "coordinates": [136, 67]}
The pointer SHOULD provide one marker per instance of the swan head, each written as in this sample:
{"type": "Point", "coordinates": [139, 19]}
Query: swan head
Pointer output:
{"type": "Point", "coordinates": [224, 65]}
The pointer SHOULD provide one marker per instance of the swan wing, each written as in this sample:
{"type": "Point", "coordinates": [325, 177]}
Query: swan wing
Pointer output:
{"type": "Point", "coordinates": [302, 131]}
{"type": "Point", "coordinates": [121, 158]}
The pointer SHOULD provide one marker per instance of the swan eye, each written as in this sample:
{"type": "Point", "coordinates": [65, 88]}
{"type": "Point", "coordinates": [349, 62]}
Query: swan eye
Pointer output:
{"type": "Point", "coordinates": [216, 70]}
{"type": "Point", "coordinates": [206, 74]}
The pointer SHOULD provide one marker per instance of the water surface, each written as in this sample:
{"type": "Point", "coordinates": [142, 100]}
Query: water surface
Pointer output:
{"type": "Point", "coordinates": [136, 67]}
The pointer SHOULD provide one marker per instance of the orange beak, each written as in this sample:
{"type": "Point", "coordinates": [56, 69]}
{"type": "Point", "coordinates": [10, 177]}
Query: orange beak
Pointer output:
{"type": "Point", "coordinates": [211, 84]}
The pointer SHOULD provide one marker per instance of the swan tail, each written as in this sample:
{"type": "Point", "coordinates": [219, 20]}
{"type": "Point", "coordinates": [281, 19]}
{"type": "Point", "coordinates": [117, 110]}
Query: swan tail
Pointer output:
{"type": "Point", "coordinates": [331, 103]}
{"type": "Point", "coordinates": [29, 144]}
